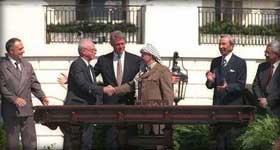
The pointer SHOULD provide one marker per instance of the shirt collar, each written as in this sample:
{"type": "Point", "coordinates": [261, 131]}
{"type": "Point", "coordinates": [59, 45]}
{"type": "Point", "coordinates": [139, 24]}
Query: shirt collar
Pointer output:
{"type": "Point", "coordinates": [276, 64]}
{"type": "Point", "coordinates": [85, 61]}
{"type": "Point", "coordinates": [13, 61]}
{"type": "Point", "coordinates": [116, 56]}
{"type": "Point", "coordinates": [227, 57]}
{"type": "Point", "coordinates": [152, 65]}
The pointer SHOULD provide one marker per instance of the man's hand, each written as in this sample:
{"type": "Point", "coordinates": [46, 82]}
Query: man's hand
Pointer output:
{"type": "Point", "coordinates": [20, 102]}
{"type": "Point", "coordinates": [222, 87]}
{"type": "Point", "coordinates": [62, 80]}
{"type": "Point", "coordinates": [45, 101]}
{"type": "Point", "coordinates": [109, 90]}
{"type": "Point", "coordinates": [174, 79]}
{"type": "Point", "coordinates": [210, 76]}
{"type": "Point", "coordinates": [262, 102]}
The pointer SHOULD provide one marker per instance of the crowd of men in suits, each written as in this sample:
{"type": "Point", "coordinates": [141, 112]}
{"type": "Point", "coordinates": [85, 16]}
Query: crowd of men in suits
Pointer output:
{"type": "Point", "coordinates": [227, 75]}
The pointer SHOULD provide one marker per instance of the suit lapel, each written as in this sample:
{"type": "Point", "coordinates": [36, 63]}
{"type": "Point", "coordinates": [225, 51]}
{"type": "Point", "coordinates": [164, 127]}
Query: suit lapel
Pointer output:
{"type": "Point", "coordinates": [91, 73]}
{"type": "Point", "coordinates": [86, 69]}
{"type": "Point", "coordinates": [12, 69]}
{"type": "Point", "coordinates": [275, 76]}
{"type": "Point", "coordinates": [126, 67]}
{"type": "Point", "coordinates": [111, 71]}
{"type": "Point", "coordinates": [230, 62]}
{"type": "Point", "coordinates": [23, 76]}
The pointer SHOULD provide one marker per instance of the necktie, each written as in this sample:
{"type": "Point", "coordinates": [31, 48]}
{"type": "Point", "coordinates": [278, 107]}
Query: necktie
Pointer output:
{"type": "Point", "coordinates": [90, 72]}
{"type": "Point", "coordinates": [119, 71]}
{"type": "Point", "coordinates": [220, 78]}
{"type": "Point", "coordinates": [17, 68]}
{"type": "Point", "coordinates": [224, 62]}
{"type": "Point", "coordinates": [270, 73]}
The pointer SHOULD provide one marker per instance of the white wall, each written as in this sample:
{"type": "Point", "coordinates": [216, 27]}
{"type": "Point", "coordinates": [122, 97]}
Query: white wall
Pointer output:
{"type": "Point", "coordinates": [23, 19]}
{"type": "Point", "coordinates": [172, 26]}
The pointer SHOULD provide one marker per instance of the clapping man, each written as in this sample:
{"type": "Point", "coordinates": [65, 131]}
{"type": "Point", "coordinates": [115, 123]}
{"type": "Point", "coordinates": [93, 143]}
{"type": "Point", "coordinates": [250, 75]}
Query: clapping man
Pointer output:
{"type": "Point", "coordinates": [227, 76]}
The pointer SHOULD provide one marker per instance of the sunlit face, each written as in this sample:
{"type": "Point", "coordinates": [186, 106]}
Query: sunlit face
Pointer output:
{"type": "Point", "coordinates": [147, 58]}
{"type": "Point", "coordinates": [16, 51]}
{"type": "Point", "coordinates": [270, 55]}
{"type": "Point", "coordinates": [119, 46]}
{"type": "Point", "coordinates": [89, 51]}
{"type": "Point", "coordinates": [224, 46]}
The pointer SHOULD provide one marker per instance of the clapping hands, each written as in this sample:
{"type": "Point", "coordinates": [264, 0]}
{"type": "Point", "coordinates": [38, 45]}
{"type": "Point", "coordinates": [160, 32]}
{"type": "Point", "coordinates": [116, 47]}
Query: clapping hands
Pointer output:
{"type": "Point", "coordinates": [222, 87]}
{"type": "Point", "coordinates": [210, 76]}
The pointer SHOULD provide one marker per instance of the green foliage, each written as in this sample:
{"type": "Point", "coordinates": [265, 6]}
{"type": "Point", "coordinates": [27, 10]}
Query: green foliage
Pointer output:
{"type": "Point", "coordinates": [2, 137]}
{"type": "Point", "coordinates": [191, 137]}
{"type": "Point", "coordinates": [225, 27]}
{"type": "Point", "coordinates": [91, 27]}
{"type": "Point", "coordinates": [261, 134]}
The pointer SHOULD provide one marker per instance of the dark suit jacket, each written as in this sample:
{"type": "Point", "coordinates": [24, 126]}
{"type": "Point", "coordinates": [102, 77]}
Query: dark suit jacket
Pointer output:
{"type": "Point", "coordinates": [105, 67]}
{"type": "Point", "coordinates": [14, 86]}
{"type": "Point", "coordinates": [235, 74]}
{"type": "Point", "coordinates": [272, 91]}
{"type": "Point", "coordinates": [81, 88]}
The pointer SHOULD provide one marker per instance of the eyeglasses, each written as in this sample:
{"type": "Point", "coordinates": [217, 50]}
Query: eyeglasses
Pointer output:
{"type": "Point", "coordinates": [91, 49]}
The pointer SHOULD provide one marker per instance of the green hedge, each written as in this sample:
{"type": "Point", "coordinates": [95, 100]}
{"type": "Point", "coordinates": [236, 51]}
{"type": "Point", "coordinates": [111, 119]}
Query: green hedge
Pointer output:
{"type": "Point", "coordinates": [261, 134]}
{"type": "Point", "coordinates": [223, 27]}
{"type": "Point", "coordinates": [88, 27]}
{"type": "Point", "coordinates": [191, 137]}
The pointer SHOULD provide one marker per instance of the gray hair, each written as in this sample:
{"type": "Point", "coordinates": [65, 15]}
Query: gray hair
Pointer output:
{"type": "Point", "coordinates": [82, 44]}
{"type": "Point", "coordinates": [231, 39]}
{"type": "Point", "coordinates": [116, 35]}
{"type": "Point", "coordinates": [275, 45]}
{"type": "Point", "coordinates": [10, 44]}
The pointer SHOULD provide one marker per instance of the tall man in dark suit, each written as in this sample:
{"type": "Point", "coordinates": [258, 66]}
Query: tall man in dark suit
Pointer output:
{"type": "Point", "coordinates": [116, 68]}
{"type": "Point", "coordinates": [227, 76]}
{"type": "Point", "coordinates": [266, 85]}
{"type": "Point", "coordinates": [17, 82]}
{"type": "Point", "coordinates": [107, 66]}
{"type": "Point", "coordinates": [83, 90]}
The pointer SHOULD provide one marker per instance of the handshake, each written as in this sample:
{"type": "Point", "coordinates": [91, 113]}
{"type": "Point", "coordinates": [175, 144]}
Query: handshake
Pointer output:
{"type": "Point", "coordinates": [109, 90]}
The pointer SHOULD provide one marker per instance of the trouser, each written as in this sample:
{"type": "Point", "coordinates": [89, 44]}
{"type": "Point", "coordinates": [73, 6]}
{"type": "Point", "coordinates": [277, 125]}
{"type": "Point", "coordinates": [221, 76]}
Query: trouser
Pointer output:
{"type": "Point", "coordinates": [24, 126]}
{"type": "Point", "coordinates": [223, 136]}
{"type": "Point", "coordinates": [112, 138]}
{"type": "Point", "coordinates": [74, 134]}
{"type": "Point", "coordinates": [117, 136]}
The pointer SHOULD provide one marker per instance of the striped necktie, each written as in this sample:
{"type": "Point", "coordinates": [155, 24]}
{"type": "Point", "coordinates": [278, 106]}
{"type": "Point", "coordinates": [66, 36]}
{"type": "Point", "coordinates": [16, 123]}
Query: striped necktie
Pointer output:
{"type": "Point", "coordinates": [119, 71]}
{"type": "Point", "coordinates": [224, 62]}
